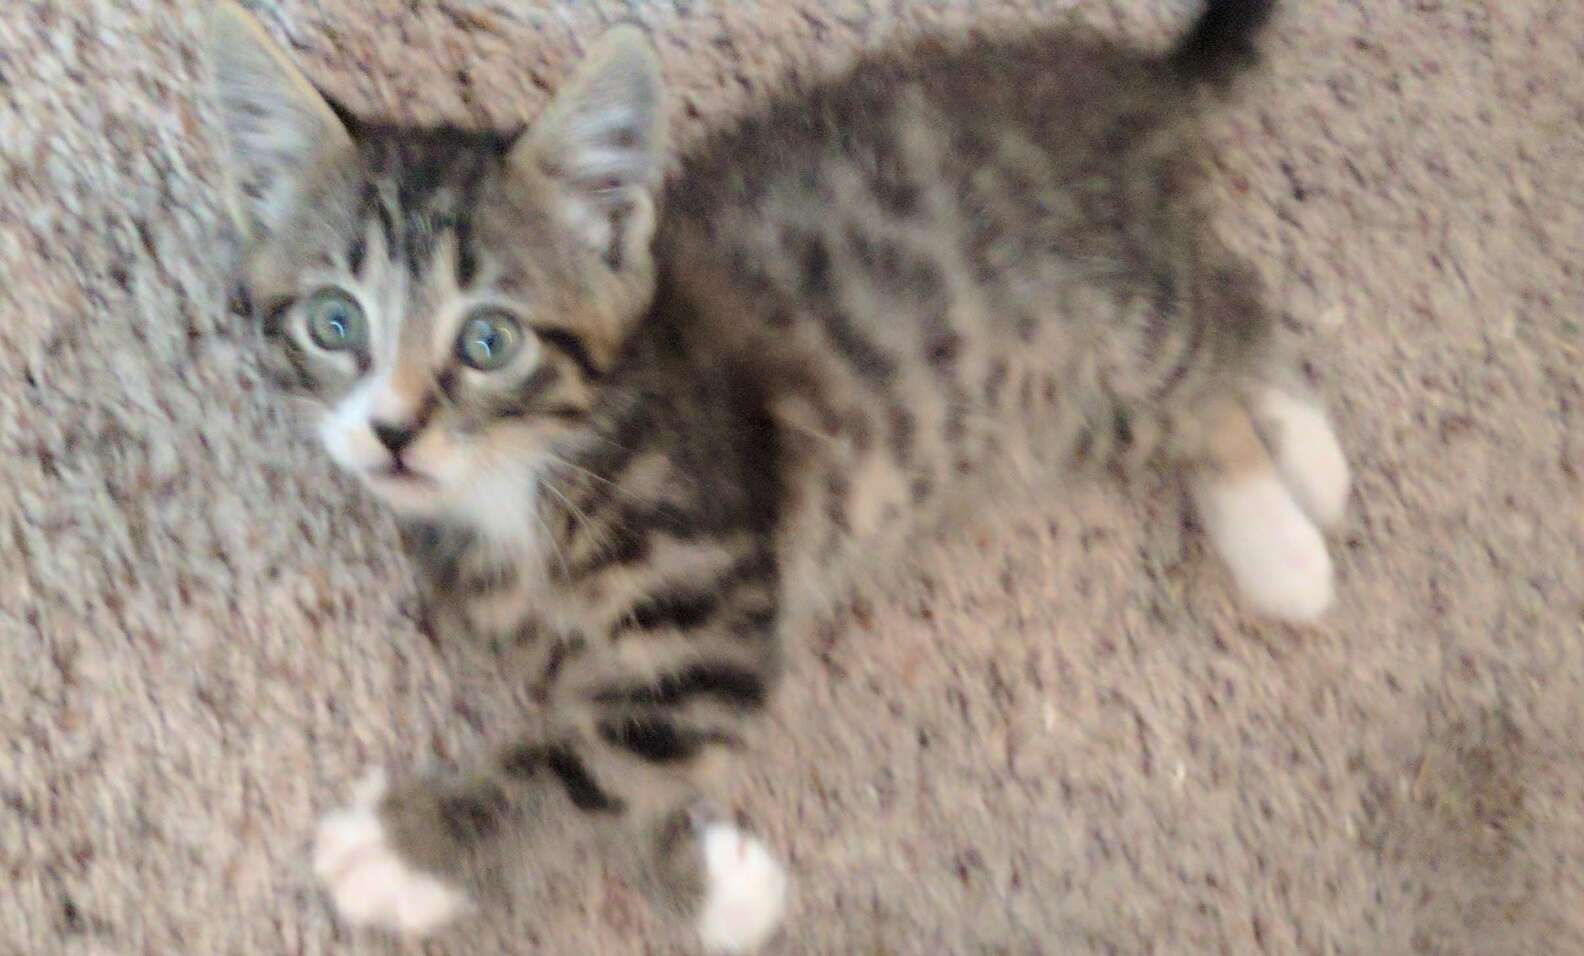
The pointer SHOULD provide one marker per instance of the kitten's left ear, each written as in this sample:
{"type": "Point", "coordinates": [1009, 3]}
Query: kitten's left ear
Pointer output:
{"type": "Point", "coordinates": [601, 143]}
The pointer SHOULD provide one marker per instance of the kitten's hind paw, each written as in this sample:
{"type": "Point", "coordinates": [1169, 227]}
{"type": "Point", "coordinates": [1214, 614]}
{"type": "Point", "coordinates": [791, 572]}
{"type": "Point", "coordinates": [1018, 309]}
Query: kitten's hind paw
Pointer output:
{"type": "Point", "coordinates": [1273, 550]}
{"type": "Point", "coordinates": [745, 889]}
{"type": "Point", "coordinates": [369, 881]}
{"type": "Point", "coordinates": [1308, 456]}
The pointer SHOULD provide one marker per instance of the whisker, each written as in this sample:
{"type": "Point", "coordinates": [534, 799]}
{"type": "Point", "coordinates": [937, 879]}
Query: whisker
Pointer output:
{"type": "Point", "coordinates": [554, 547]}
{"type": "Point", "coordinates": [593, 530]}
{"type": "Point", "coordinates": [558, 460]}
{"type": "Point", "coordinates": [591, 434]}
{"type": "Point", "coordinates": [615, 486]}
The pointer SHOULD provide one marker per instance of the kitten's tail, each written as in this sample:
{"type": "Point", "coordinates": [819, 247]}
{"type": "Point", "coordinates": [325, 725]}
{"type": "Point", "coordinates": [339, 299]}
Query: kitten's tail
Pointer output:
{"type": "Point", "coordinates": [1221, 41]}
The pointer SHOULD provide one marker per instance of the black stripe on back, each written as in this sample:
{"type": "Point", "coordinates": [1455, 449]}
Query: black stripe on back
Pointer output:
{"type": "Point", "coordinates": [818, 287]}
{"type": "Point", "coordinates": [581, 787]}
{"type": "Point", "coordinates": [864, 356]}
{"type": "Point", "coordinates": [727, 683]}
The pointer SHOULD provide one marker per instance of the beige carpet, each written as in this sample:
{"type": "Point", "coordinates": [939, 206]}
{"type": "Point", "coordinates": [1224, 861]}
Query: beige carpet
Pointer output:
{"type": "Point", "coordinates": [1067, 740]}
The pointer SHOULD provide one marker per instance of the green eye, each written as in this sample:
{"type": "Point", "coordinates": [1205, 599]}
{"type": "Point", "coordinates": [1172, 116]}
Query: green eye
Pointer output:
{"type": "Point", "coordinates": [489, 340]}
{"type": "Point", "coordinates": [335, 321]}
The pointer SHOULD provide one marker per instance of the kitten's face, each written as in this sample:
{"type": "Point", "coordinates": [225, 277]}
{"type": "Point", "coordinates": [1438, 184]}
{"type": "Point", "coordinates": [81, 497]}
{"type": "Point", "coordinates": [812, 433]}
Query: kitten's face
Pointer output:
{"type": "Point", "coordinates": [444, 304]}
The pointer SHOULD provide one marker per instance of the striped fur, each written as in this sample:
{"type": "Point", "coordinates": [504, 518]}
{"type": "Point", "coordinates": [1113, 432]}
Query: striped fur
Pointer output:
{"type": "Point", "coordinates": [841, 314]}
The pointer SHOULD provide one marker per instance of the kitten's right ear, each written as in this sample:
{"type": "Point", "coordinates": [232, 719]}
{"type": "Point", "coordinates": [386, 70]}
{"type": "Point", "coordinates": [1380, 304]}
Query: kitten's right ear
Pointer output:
{"type": "Point", "coordinates": [277, 126]}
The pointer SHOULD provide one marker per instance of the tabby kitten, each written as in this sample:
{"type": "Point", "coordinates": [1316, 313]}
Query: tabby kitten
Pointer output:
{"type": "Point", "coordinates": [632, 426]}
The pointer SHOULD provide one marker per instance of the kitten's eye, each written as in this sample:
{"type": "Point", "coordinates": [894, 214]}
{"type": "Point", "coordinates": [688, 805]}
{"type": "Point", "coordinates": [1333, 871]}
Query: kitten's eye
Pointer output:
{"type": "Point", "coordinates": [335, 321]}
{"type": "Point", "coordinates": [489, 340]}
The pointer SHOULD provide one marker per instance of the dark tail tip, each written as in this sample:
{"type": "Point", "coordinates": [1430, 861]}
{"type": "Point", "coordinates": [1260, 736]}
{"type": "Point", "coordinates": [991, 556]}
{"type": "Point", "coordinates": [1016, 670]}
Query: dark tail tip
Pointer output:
{"type": "Point", "coordinates": [1222, 40]}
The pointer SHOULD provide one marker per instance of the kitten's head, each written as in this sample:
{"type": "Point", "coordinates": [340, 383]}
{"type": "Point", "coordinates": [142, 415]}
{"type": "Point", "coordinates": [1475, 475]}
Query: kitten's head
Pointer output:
{"type": "Point", "coordinates": [445, 302]}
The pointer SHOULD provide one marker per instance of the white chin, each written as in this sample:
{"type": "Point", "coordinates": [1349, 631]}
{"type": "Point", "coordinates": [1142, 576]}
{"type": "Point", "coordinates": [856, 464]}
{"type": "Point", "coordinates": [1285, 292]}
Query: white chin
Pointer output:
{"type": "Point", "coordinates": [411, 495]}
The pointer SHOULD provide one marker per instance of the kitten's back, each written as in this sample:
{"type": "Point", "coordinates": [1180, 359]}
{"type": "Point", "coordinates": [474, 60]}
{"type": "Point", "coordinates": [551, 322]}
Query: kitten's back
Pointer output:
{"type": "Point", "coordinates": [962, 258]}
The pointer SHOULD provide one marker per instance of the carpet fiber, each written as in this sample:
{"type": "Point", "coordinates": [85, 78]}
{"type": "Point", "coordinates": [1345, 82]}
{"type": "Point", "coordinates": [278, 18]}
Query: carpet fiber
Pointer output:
{"type": "Point", "coordinates": [1063, 737]}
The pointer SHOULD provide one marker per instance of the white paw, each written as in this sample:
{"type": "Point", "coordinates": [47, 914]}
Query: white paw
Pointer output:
{"type": "Point", "coordinates": [368, 881]}
{"type": "Point", "coordinates": [1274, 552]}
{"type": "Point", "coordinates": [744, 891]}
{"type": "Point", "coordinates": [1308, 456]}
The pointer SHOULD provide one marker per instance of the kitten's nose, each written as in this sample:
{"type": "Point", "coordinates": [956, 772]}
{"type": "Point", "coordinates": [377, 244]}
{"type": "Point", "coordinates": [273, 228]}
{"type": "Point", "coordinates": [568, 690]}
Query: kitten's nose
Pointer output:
{"type": "Point", "coordinates": [394, 437]}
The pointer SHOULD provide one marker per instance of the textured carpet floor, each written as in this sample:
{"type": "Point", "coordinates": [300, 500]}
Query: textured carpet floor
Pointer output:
{"type": "Point", "coordinates": [1066, 738]}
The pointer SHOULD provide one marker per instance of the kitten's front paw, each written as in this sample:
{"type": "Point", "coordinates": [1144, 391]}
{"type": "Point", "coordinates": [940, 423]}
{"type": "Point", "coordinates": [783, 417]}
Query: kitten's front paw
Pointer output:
{"type": "Point", "coordinates": [370, 883]}
{"type": "Point", "coordinates": [744, 889]}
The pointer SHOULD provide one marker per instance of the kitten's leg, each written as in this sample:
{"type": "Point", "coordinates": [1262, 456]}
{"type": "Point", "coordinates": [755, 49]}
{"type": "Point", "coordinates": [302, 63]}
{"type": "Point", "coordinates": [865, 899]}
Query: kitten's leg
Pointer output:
{"type": "Point", "coordinates": [725, 877]}
{"type": "Point", "coordinates": [712, 870]}
{"type": "Point", "coordinates": [666, 684]}
{"type": "Point", "coordinates": [402, 858]}
{"type": "Point", "coordinates": [399, 859]}
{"type": "Point", "coordinates": [375, 882]}
{"type": "Point", "coordinates": [1308, 456]}
{"type": "Point", "coordinates": [1274, 551]}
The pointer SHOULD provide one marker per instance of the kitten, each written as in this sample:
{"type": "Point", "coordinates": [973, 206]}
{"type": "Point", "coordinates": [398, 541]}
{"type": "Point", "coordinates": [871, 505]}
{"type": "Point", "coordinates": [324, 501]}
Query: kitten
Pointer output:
{"type": "Point", "coordinates": [630, 425]}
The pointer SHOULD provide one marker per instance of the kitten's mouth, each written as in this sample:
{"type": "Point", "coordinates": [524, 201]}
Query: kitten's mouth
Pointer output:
{"type": "Point", "coordinates": [399, 474]}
